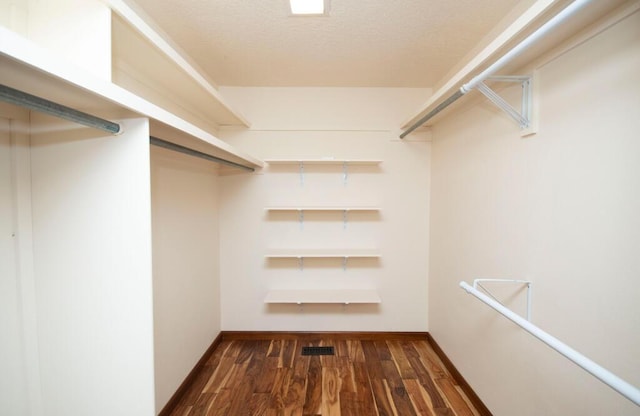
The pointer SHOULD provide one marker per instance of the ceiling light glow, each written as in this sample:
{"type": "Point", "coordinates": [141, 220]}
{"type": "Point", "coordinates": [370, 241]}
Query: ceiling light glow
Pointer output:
{"type": "Point", "coordinates": [307, 7]}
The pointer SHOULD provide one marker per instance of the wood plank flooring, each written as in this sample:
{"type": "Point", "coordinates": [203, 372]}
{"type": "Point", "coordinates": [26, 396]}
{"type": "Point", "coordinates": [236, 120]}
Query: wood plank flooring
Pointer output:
{"type": "Point", "coordinates": [364, 377]}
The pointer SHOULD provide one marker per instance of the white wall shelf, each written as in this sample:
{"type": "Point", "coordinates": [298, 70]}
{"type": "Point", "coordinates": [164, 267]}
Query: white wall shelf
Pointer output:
{"type": "Point", "coordinates": [322, 296]}
{"type": "Point", "coordinates": [345, 163]}
{"type": "Point", "coordinates": [343, 254]}
{"type": "Point", "coordinates": [324, 253]}
{"type": "Point", "coordinates": [320, 208]}
{"type": "Point", "coordinates": [324, 161]}
{"type": "Point", "coordinates": [345, 296]}
{"type": "Point", "coordinates": [301, 210]}
{"type": "Point", "coordinates": [145, 70]}
{"type": "Point", "coordinates": [28, 67]}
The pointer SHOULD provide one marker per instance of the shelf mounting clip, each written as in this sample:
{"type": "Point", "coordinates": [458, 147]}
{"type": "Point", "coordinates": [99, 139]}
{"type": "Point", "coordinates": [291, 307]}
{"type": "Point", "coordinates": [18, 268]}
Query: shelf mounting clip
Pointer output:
{"type": "Point", "coordinates": [345, 172]}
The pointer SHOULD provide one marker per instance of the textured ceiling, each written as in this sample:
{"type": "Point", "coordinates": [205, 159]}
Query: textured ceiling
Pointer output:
{"type": "Point", "coordinates": [361, 43]}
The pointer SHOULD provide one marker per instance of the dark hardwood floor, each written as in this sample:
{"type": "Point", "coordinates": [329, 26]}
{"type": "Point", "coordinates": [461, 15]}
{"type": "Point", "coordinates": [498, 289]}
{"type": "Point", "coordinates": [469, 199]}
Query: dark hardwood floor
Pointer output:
{"type": "Point", "coordinates": [364, 377]}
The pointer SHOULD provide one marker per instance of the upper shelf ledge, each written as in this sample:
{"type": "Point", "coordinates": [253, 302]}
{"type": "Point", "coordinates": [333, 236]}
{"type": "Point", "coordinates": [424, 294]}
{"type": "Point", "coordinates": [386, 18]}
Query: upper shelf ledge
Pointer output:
{"type": "Point", "coordinates": [144, 57]}
{"type": "Point", "coordinates": [27, 67]}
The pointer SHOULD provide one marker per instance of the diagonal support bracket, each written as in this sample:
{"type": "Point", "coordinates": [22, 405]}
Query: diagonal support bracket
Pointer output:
{"type": "Point", "coordinates": [523, 116]}
{"type": "Point", "coordinates": [478, 283]}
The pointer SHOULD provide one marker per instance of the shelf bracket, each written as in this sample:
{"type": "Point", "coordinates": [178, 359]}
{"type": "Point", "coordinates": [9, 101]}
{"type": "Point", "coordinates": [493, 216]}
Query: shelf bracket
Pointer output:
{"type": "Point", "coordinates": [522, 117]}
{"type": "Point", "coordinates": [301, 218]}
{"type": "Point", "coordinates": [345, 173]}
{"type": "Point", "coordinates": [344, 263]}
{"type": "Point", "coordinates": [345, 218]}
{"type": "Point", "coordinates": [477, 283]}
{"type": "Point", "coordinates": [301, 263]}
{"type": "Point", "coordinates": [301, 173]}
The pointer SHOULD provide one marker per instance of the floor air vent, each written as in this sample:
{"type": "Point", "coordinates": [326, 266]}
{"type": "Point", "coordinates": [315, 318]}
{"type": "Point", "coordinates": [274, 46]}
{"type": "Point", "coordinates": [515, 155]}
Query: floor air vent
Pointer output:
{"type": "Point", "coordinates": [318, 351]}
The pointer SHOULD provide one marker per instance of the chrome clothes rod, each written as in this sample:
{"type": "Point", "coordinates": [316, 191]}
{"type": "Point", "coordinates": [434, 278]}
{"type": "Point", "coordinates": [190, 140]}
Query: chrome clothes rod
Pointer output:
{"type": "Point", "coordinates": [32, 102]}
{"type": "Point", "coordinates": [616, 383]}
{"type": "Point", "coordinates": [500, 63]}
{"type": "Point", "coordinates": [185, 150]}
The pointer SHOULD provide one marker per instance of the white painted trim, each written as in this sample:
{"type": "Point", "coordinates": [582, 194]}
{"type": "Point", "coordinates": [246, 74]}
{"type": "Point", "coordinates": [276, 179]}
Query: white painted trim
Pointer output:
{"type": "Point", "coordinates": [21, 161]}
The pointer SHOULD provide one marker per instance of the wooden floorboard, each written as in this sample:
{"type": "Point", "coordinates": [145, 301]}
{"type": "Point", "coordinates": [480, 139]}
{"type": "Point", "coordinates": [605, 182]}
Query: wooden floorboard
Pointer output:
{"type": "Point", "coordinates": [377, 377]}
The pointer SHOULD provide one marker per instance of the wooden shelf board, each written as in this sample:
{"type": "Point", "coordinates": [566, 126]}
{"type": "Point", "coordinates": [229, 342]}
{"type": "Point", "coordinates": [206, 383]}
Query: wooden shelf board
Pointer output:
{"type": "Point", "coordinates": [345, 296]}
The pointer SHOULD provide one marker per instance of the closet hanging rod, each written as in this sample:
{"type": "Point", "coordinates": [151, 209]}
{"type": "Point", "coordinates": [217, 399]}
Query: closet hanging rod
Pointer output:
{"type": "Point", "coordinates": [181, 149]}
{"type": "Point", "coordinates": [624, 388]}
{"type": "Point", "coordinates": [500, 63]}
{"type": "Point", "coordinates": [32, 102]}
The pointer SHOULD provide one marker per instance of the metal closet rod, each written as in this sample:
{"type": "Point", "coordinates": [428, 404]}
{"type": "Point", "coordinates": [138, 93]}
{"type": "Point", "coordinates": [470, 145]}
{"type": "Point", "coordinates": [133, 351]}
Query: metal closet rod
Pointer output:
{"type": "Point", "coordinates": [32, 102]}
{"type": "Point", "coordinates": [501, 62]}
{"type": "Point", "coordinates": [185, 150]}
{"type": "Point", "coordinates": [624, 388]}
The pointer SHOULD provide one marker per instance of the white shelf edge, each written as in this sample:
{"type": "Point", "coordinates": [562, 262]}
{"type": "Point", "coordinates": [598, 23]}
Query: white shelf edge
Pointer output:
{"type": "Point", "coordinates": [297, 254]}
{"type": "Point", "coordinates": [25, 52]}
{"type": "Point", "coordinates": [318, 208]}
{"type": "Point", "coordinates": [324, 161]}
{"type": "Point", "coordinates": [345, 296]}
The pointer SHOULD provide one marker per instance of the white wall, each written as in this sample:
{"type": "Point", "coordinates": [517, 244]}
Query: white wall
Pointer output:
{"type": "Point", "coordinates": [559, 208]}
{"type": "Point", "coordinates": [78, 30]}
{"type": "Point", "coordinates": [313, 123]}
{"type": "Point", "coordinates": [92, 256]}
{"type": "Point", "coordinates": [186, 286]}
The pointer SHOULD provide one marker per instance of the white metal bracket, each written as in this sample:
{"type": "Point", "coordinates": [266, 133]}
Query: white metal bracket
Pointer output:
{"type": "Point", "coordinates": [522, 117]}
{"type": "Point", "coordinates": [345, 173]}
{"type": "Point", "coordinates": [301, 173]}
{"type": "Point", "coordinates": [476, 284]}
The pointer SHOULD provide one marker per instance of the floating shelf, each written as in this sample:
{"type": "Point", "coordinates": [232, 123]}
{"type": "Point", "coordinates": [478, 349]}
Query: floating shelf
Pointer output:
{"type": "Point", "coordinates": [346, 296]}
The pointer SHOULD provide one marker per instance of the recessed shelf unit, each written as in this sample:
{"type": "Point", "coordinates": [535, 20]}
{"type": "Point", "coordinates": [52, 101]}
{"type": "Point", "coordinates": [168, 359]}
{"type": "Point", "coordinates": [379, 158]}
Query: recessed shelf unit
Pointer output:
{"type": "Point", "coordinates": [345, 163]}
{"type": "Point", "coordinates": [343, 296]}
